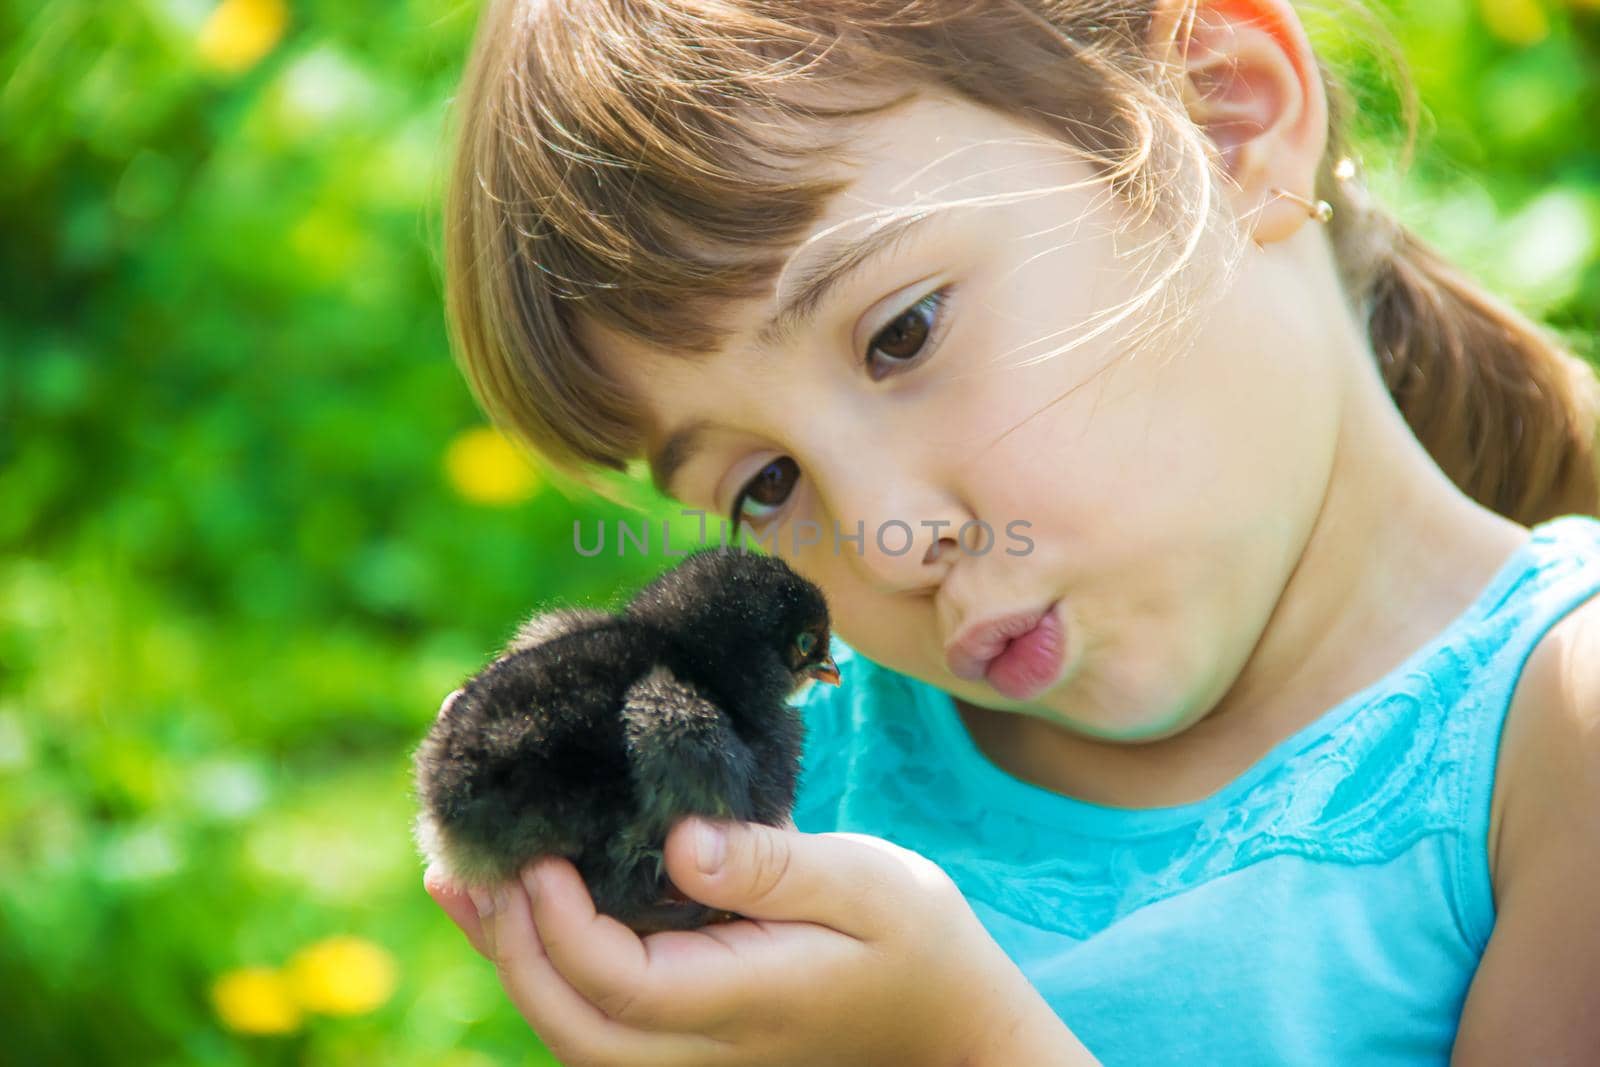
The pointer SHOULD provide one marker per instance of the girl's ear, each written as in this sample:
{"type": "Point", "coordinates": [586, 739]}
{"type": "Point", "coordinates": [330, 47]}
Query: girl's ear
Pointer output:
{"type": "Point", "coordinates": [1250, 80]}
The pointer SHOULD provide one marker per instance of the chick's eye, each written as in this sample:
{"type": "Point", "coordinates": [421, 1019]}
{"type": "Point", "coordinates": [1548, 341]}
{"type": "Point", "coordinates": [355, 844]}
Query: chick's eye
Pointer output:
{"type": "Point", "coordinates": [764, 494]}
{"type": "Point", "coordinates": [806, 642]}
{"type": "Point", "coordinates": [904, 339]}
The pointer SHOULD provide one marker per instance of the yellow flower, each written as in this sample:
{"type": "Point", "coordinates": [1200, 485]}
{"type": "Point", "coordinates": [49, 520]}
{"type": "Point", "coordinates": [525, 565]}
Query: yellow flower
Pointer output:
{"type": "Point", "coordinates": [485, 468]}
{"type": "Point", "coordinates": [255, 1000]}
{"type": "Point", "coordinates": [239, 32]}
{"type": "Point", "coordinates": [342, 976]}
{"type": "Point", "coordinates": [1520, 22]}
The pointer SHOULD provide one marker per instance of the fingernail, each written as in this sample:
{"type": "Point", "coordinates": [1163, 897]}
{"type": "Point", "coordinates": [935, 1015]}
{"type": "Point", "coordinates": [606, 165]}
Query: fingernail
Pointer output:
{"type": "Point", "coordinates": [710, 846]}
{"type": "Point", "coordinates": [483, 900]}
{"type": "Point", "coordinates": [444, 706]}
{"type": "Point", "coordinates": [530, 882]}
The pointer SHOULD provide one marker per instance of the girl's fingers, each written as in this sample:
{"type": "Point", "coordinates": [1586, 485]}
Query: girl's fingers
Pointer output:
{"type": "Point", "coordinates": [458, 905]}
{"type": "Point", "coordinates": [602, 959]}
{"type": "Point", "coordinates": [574, 1030]}
{"type": "Point", "coordinates": [673, 981]}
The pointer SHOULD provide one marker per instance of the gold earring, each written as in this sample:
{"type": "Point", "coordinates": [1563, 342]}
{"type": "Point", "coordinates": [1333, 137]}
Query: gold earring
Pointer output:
{"type": "Point", "coordinates": [1320, 210]}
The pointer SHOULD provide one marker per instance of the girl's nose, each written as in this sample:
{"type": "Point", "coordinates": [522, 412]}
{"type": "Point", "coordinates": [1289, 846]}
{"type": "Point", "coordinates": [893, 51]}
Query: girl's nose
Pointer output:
{"type": "Point", "coordinates": [901, 541]}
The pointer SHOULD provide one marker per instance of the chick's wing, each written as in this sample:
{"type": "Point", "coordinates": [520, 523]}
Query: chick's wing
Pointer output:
{"type": "Point", "coordinates": [683, 752]}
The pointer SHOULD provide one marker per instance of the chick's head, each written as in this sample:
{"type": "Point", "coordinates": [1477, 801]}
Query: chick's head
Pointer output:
{"type": "Point", "coordinates": [748, 620]}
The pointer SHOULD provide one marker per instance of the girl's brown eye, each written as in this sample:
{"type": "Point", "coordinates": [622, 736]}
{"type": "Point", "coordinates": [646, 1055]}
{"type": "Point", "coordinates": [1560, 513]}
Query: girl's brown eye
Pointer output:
{"type": "Point", "coordinates": [766, 491]}
{"type": "Point", "coordinates": [906, 338]}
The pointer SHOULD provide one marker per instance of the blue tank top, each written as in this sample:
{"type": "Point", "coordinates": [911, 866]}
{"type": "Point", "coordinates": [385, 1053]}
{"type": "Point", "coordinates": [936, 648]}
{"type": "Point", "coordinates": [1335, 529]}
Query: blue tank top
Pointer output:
{"type": "Point", "coordinates": [1328, 906]}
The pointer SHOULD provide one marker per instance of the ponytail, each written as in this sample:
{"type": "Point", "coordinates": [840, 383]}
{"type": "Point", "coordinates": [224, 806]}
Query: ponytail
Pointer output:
{"type": "Point", "coordinates": [1501, 407]}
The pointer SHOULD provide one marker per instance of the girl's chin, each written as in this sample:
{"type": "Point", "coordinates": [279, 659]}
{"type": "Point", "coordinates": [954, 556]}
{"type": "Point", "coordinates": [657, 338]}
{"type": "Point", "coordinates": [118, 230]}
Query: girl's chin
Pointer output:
{"type": "Point", "coordinates": [1067, 711]}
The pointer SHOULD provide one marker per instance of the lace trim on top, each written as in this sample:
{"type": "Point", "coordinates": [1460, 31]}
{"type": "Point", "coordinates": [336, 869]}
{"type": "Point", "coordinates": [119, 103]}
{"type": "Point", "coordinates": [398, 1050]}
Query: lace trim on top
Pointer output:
{"type": "Point", "coordinates": [1360, 784]}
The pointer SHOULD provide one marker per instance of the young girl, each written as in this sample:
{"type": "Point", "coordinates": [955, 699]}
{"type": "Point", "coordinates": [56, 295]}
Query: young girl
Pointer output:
{"type": "Point", "coordinates": [1212, 566]}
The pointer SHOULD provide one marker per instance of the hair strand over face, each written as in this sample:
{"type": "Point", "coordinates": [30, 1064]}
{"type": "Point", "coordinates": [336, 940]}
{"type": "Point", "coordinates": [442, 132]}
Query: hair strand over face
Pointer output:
{"type": "Point", "coordinates": [642, 165]}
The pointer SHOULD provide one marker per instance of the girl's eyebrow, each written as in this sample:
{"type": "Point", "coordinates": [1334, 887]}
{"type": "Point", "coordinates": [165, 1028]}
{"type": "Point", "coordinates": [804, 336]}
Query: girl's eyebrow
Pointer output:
{"type": "Point", "coordinates": [669, 459]}
{"type": "Point", "coordinates": [840, 259]}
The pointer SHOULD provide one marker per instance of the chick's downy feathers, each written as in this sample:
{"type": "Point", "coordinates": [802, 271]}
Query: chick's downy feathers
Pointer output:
{"type": "Point", "coordinates": [592, 733]}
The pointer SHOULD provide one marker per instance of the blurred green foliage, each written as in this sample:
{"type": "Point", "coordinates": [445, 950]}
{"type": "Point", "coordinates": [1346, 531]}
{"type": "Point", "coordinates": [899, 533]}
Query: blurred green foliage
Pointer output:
{"type": "Point", "coordinates": [236, 572]}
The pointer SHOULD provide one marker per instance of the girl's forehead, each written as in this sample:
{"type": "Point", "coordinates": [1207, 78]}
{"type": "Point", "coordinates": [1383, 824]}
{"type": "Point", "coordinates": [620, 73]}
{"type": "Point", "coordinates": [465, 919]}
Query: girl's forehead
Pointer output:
{"type": "Point", "coordinates": [935, 157]}
{"type": "Point", "coordinates": [935, 148]}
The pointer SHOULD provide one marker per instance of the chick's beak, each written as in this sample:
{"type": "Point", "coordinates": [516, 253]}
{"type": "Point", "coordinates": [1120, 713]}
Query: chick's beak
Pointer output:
{"type": "Point", "coordinates": [826, 671]}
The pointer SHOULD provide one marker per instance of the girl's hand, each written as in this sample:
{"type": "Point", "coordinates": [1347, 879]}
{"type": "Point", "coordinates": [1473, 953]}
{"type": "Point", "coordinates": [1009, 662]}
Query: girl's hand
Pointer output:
{"type": "Point", "coordinates": [855, 951]}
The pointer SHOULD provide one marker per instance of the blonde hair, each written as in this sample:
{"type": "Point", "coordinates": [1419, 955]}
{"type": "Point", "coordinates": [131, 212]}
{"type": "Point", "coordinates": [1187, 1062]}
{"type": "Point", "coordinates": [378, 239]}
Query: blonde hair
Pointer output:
{"type": "Point", "coordinates": [639, 164]}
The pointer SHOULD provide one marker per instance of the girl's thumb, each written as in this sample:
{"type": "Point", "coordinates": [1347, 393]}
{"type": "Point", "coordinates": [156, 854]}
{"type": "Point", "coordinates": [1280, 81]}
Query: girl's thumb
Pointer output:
{"type": "Point", "coordinates": [710, 845]}
{"type": "Point", "coordinates": [768, 872]}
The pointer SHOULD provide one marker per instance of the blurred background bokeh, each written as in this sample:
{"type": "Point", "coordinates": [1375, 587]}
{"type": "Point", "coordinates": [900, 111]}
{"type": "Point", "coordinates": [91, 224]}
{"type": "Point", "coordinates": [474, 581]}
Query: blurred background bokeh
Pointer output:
{"type": "Point", "coordinates": [253, 529]}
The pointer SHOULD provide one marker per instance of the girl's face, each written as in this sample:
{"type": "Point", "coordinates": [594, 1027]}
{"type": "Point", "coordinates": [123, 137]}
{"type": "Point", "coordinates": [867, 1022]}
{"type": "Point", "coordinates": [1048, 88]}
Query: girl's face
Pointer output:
{"type": "Point", "coordinates": [1155, 500]}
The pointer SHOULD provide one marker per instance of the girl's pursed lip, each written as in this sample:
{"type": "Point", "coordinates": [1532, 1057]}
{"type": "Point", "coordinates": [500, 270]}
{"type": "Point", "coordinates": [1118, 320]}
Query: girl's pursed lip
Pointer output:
{"type": "Point", "coordinates": [1031, 663]}
{"type": "Point", "coordinates": [968, 656]}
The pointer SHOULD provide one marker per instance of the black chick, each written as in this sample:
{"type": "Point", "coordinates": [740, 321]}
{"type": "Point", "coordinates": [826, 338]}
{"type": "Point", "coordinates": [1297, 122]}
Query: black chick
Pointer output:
{"type": "Point", "coordinates": [593, 733]}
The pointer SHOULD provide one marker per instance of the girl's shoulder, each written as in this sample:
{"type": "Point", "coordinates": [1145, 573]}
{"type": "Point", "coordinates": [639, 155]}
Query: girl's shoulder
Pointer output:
{"type": "Point", "coordinates": [1539, 970]}
{"type": "Point", "coordinates": [1553, 718]}
{"type": "Point", "coordinates": [1548, 773]}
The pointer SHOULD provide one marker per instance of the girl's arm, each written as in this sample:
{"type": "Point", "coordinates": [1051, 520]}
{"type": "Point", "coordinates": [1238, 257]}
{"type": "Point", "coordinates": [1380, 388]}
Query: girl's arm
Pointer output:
{"type": "Point", "coordinates": [1536, 996]}
{"type": "Point", "coordinates": [857, 952]}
